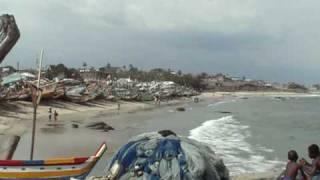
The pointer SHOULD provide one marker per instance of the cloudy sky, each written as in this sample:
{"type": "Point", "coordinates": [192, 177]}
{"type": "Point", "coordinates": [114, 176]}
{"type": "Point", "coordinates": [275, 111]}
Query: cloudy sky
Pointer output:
{"type": "Point", "coordinates": [274, 40]}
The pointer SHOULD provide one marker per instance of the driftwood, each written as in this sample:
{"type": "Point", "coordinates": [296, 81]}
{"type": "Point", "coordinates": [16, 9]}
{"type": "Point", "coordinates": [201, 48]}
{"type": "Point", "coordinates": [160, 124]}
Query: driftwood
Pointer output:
{"type": "Point", "coordinates": [9, 34]}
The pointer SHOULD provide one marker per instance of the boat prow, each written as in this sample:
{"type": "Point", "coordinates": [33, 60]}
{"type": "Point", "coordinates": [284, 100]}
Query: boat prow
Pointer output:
{"type": "Point", "coordinates": [64, 168]}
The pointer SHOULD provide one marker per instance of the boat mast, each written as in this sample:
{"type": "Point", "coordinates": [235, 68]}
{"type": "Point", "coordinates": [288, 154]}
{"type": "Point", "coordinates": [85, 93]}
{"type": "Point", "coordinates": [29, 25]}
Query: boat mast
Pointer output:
{"type": "Point", "coordinates": [35, 105]}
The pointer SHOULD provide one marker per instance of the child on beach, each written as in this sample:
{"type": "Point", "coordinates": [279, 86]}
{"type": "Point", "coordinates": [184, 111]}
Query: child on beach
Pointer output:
{"type": "Point", "coordinates": [292, 167]}
{"type": "Point", "coordinates": [313, 169]}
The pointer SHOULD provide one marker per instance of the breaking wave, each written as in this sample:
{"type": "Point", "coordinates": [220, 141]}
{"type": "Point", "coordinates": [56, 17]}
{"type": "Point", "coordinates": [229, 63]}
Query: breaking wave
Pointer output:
{"type": "Point", "coordinates": [227, 137]}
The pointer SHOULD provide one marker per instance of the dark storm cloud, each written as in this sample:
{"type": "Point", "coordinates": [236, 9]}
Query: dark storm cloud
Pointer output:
{"type": "Point", "coordinates": [272, 40]}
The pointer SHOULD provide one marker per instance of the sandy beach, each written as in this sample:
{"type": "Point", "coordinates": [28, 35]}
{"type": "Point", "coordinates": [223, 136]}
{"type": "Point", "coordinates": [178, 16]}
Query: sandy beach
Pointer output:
{"type": "Point", "coordinates": [16, 119]}
{"type": "Point", "coordinates": [15, 116]}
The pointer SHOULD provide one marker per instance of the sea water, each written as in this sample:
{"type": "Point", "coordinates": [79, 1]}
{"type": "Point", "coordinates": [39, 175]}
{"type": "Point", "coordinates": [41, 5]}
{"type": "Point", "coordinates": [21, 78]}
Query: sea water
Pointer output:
{"type": "Point", "coordinates": [258, 132]}
{"type": "Point", "coordinates": [250, 134]}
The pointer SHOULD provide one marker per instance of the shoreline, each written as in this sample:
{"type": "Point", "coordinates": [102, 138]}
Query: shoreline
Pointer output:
{"type": "Point", "coordinates": [18, 114]}
{"type": "Point", "coordinates": [17, 120]}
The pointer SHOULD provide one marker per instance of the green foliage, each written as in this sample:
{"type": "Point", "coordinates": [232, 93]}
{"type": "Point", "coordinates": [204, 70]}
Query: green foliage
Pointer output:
{"type": "Point", "coordinates": [296, 86]}
{"type": "Point", "coordinates": [60, 70]}
{"type": "Point", "coordinates": [108, 66]}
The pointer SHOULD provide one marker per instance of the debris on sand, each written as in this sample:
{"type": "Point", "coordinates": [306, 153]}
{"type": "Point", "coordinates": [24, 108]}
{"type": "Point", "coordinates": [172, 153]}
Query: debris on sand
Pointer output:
{"type": "Point", "coordinates": [75, 125]}
{"type": "Point", "coordinates": [181, 109]}
{"type": "Point", "coordinates": [99, 126]}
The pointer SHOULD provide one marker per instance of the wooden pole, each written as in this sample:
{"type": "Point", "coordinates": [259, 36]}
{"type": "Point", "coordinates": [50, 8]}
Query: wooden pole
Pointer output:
{"type": "Point", "coordinates": [35, 106]}
{"type": "Point", "coordinates": [33, 131]}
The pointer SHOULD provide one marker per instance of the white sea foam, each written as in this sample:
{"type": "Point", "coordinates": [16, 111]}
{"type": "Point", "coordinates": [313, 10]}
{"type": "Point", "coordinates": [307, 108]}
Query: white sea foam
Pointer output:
{"type": "Point", "coordinates": [227, 137]}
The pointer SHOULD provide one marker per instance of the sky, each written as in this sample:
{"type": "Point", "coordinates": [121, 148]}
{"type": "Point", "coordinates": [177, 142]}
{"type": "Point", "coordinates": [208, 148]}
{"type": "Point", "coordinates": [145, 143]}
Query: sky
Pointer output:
{"type": "Point", "coordinates": [274, 40]}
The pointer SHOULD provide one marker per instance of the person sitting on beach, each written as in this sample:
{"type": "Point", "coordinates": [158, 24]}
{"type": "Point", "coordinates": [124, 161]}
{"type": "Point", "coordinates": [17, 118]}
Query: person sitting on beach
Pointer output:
{"type": "Point", "coordinates": [313, 169]}
{"type": "Point", "coordinates": [292, 167]}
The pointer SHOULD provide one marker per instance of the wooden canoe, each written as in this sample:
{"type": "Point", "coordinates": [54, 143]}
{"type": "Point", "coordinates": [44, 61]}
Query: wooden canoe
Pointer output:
{"type": "Point", "coordinates": [52, 169]}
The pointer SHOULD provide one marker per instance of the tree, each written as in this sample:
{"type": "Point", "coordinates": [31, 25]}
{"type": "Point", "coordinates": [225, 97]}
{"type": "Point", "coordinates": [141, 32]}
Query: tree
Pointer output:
{"type": "Point", "coordinates": [296, 86]}
{"type": "Point", "coordinates": [179, 72]}
{"type": "Point", "coordinates": [108, 66]}
{"type": "Point", "coordinates": [203, 75]}
{"type": "Point", "coordinates": [130, 67]}
{"type": "Point", "coordinates": [57, 70]}
{"type": "Point", "coordinates": [84, 65]}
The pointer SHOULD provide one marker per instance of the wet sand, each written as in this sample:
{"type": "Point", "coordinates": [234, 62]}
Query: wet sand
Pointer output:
{"type": "Point", "coordinates": [69, 141]}
{"type": "Point", "coordinates": [62, 140]}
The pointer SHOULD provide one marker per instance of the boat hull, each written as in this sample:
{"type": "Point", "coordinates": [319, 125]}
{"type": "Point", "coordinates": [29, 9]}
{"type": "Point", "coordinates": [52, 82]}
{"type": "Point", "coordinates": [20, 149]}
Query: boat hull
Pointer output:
{"type": "Point", "coordinates": [65, 169]}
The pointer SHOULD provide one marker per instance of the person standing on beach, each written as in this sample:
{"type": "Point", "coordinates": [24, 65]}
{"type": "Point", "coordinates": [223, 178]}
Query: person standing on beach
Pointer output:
{"type": "Point", "coordinates": [155, 99]}
{"type": "Point", "coordinates": [313, 169]}
{"type": "Point", "coordinates": [118, 106]}
{"type": "Point", "coordinates": [50, 113]}
{"type": "Point", "coordinates": [55, 115]}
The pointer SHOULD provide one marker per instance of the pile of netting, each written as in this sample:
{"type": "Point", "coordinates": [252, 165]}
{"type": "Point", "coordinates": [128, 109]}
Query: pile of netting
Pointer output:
{"type": "Point", "coordinates": [164, 155]}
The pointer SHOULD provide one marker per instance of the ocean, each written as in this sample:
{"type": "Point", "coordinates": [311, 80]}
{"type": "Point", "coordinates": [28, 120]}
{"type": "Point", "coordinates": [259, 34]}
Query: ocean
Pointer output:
{"type": "Point", "coordinates": [258, 132]}
{"type": "Point", "coordinates": [251, 134]}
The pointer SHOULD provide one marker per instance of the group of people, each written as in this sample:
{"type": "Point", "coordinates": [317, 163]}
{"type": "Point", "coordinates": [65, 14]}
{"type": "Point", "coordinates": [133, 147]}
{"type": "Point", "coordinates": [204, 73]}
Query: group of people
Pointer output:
{"type": "Point", "coordinates": [54, 113]}
{"type": "Point", "coordinates": [302, 169]}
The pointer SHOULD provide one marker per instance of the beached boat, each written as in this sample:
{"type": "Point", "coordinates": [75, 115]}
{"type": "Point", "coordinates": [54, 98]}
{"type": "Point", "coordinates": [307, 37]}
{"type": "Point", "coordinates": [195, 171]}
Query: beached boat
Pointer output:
{"type": "Point", "coordinates": [48, 90]}
{"type": "Point", "coordinates": [3, 94]}
{"type": "Point", "coordinates": [22, 94]}
{"type": "Point", "coordinates": [60, 91]}
{"type": "Point", "coordinates": [79, 94]}
{"type": "Point", "coordinates": [63, 169]}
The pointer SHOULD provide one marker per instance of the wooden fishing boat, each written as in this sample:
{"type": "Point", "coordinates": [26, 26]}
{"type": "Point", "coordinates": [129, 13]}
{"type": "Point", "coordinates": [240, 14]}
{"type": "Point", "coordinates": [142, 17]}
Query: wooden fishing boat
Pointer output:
{"type": "Point", "coordinates": [63, 169]}
{"type": "Point", "coordinates": [48, 90]}
{"type": "Point", "coordinates": [60, 91]}
{"type": "Point", "coordinates": [22, 94]}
